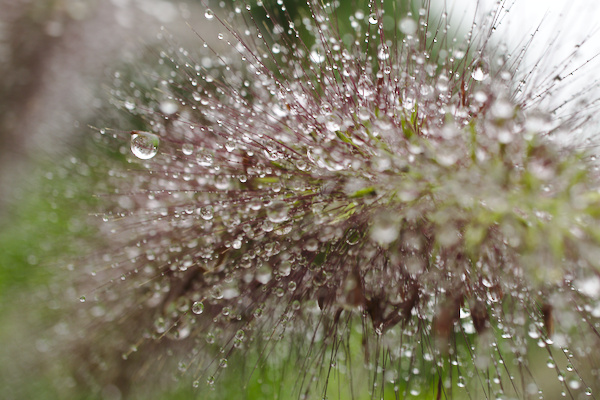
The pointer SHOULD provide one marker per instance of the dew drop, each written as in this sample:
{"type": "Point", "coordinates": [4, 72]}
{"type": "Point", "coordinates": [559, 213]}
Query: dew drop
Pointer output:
{"type": "Point", "coordinates": [480, 70]}
{"type": "Point", "coordinates": [82, 299]}
{"type": "Point", "coordinates": [144, 145]}
{"type": "Point", "coordinates": [502, 109]}
{"type": "Point", "coordinates": [372, 18]}
{"type": "Point", "coordinates": [278, 212]}
{"type": "Point", "coordinates": [204, 160]}
{"type": "Point", "coordinates": [383, 54]}
{"type": "Point", "coordinates": [237, 244]}
{"type": "Point", "coordinates": [160, 325]}
{"type": "Point", "coordinates": [385, 230]}
{"type": "Point", "coordinates": [574, 384]}
{"type": "Point", "coordinates": [206, 213]}
{"type": "Point", "coordinates": [442, 83]}
{"type": "Point", "coordinates": [316, 57]}
{"type": "Point", "coordinates": [168, 107]}
{"type": "Point", "coordinates": [569, 367]}
{"type": "Point", "coordinates": [230, 146]}
{"type": "Point", "coordinates": [187, 149]}
{"type": "Point", "coordinates": [408, 26]}
{"type": "Point", "coordinates": [311, 245]}
{"type": "Point", "coordinates": [208, 14]}
{"type": "Point", "coordinates": [197, 307]}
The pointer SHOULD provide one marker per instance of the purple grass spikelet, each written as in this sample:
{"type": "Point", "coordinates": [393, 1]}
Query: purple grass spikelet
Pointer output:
{"type": "Point", "coordinates": [350, 191]}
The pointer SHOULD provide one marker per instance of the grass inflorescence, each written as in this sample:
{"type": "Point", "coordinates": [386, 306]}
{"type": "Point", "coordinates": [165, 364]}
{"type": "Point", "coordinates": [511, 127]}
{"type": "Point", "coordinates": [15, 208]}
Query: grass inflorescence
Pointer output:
{"type": "Point", "coordinates": [343, 184]}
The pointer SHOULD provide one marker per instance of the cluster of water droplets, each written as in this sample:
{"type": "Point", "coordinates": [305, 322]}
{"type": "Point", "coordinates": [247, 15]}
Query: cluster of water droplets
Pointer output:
{"type": "Point", "coordinates": [308, 179]}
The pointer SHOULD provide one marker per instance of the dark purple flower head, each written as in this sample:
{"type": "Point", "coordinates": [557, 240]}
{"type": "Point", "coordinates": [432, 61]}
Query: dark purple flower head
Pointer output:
{"type": "Point", "coordinates": [336, 185]}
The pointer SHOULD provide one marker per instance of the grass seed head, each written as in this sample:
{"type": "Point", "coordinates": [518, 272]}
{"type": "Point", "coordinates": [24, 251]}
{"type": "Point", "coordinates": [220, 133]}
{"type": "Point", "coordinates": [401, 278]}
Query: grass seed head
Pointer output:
{"type": "Point", "coordinates": [315, 178]}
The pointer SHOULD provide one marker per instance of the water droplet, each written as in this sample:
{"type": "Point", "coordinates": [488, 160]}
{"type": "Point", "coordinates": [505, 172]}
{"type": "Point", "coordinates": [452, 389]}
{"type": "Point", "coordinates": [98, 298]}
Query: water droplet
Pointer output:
{"type": "Point", "coordinates": [278, 212]}
{"type": "Point", "coordinates": [187, 149]}
{"type": "Point", "coordinates": [502, 109]}
{"type": "Point", "coordinates": [461, 382]}
{"type": "Point", "coordinates": [317, 57]}
{"type": "Point", "coordinates": [333, 124]}
{"type": "Point", "coordinates": [239, 335]}
{"type": "Point", "coordinates": [82, 299]}
{"type": "Point", "coordinates": [574, 384]}
{"type": "Point", "coordinates": [160, 325]}
{"type": "Point", "coordinates": [210, 338]}
{"type": "Point", "coordinates": [230, 146]}
{"type": "Point", "coordinates": [442, 83]}
{"type": "Point", "coordinates": [372, 18]}
{"type": "Point", "coordinates": [408, 26]}
{"type": "Point", "coordinates": [208, 14]}
{"type": "Point", "coordinates": [168, 107]}
{"type": "Point", "coordinates": [144, 145]}
{"type": "Point", "coordinates": [197, 307]}
{"type": "Point", "coordinates": [204, 160]}
{"type": "Point", "coordinates": [311, 245]}
{"type": "Point", "coordinates": [480, 70]}
{"type": "Point", "coordinates": [385, 230]}
{"type": "Point", "coordinates": [206, 213]}
{"type": "Point", "coordinates": [569, 367]}
{"type": "Point", "coordinates": [588, 391]}
{"type": "Point", "coordinates": [383, 54]}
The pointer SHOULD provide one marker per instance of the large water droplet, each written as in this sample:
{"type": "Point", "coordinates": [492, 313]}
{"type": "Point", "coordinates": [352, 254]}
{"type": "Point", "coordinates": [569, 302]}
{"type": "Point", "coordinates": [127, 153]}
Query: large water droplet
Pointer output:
{"type": "Point", "coordinates": [278, 212]}
{"type": "Point", "coordinates": [206, 213]}
{"type": "Point", "coordinates": [480, 70]}
{"type": "Point", "coordinates": [208, 14]}
{"type": "Point", "coordinates": [187, 149]}
{"type": "Point", "coordinates": [144, 145]}
{"type": "Point", "coordinates": [385, 230]}
{"type": "Point", "coordinates": [168, 107]}
{"type": "Point", "coordinates": [197, 307]}
{"type": "Point", "coordinates": [574, 384]}
{"type": "Point", "coordinates": [317, 57]}
{"type": "Point", "coordinates": [408, 26]}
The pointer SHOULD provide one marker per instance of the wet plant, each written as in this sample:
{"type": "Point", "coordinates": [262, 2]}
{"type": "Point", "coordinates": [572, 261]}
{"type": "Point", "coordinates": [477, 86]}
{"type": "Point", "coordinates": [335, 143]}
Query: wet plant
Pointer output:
{"type": "Point", "coordinates": [341, 185]}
